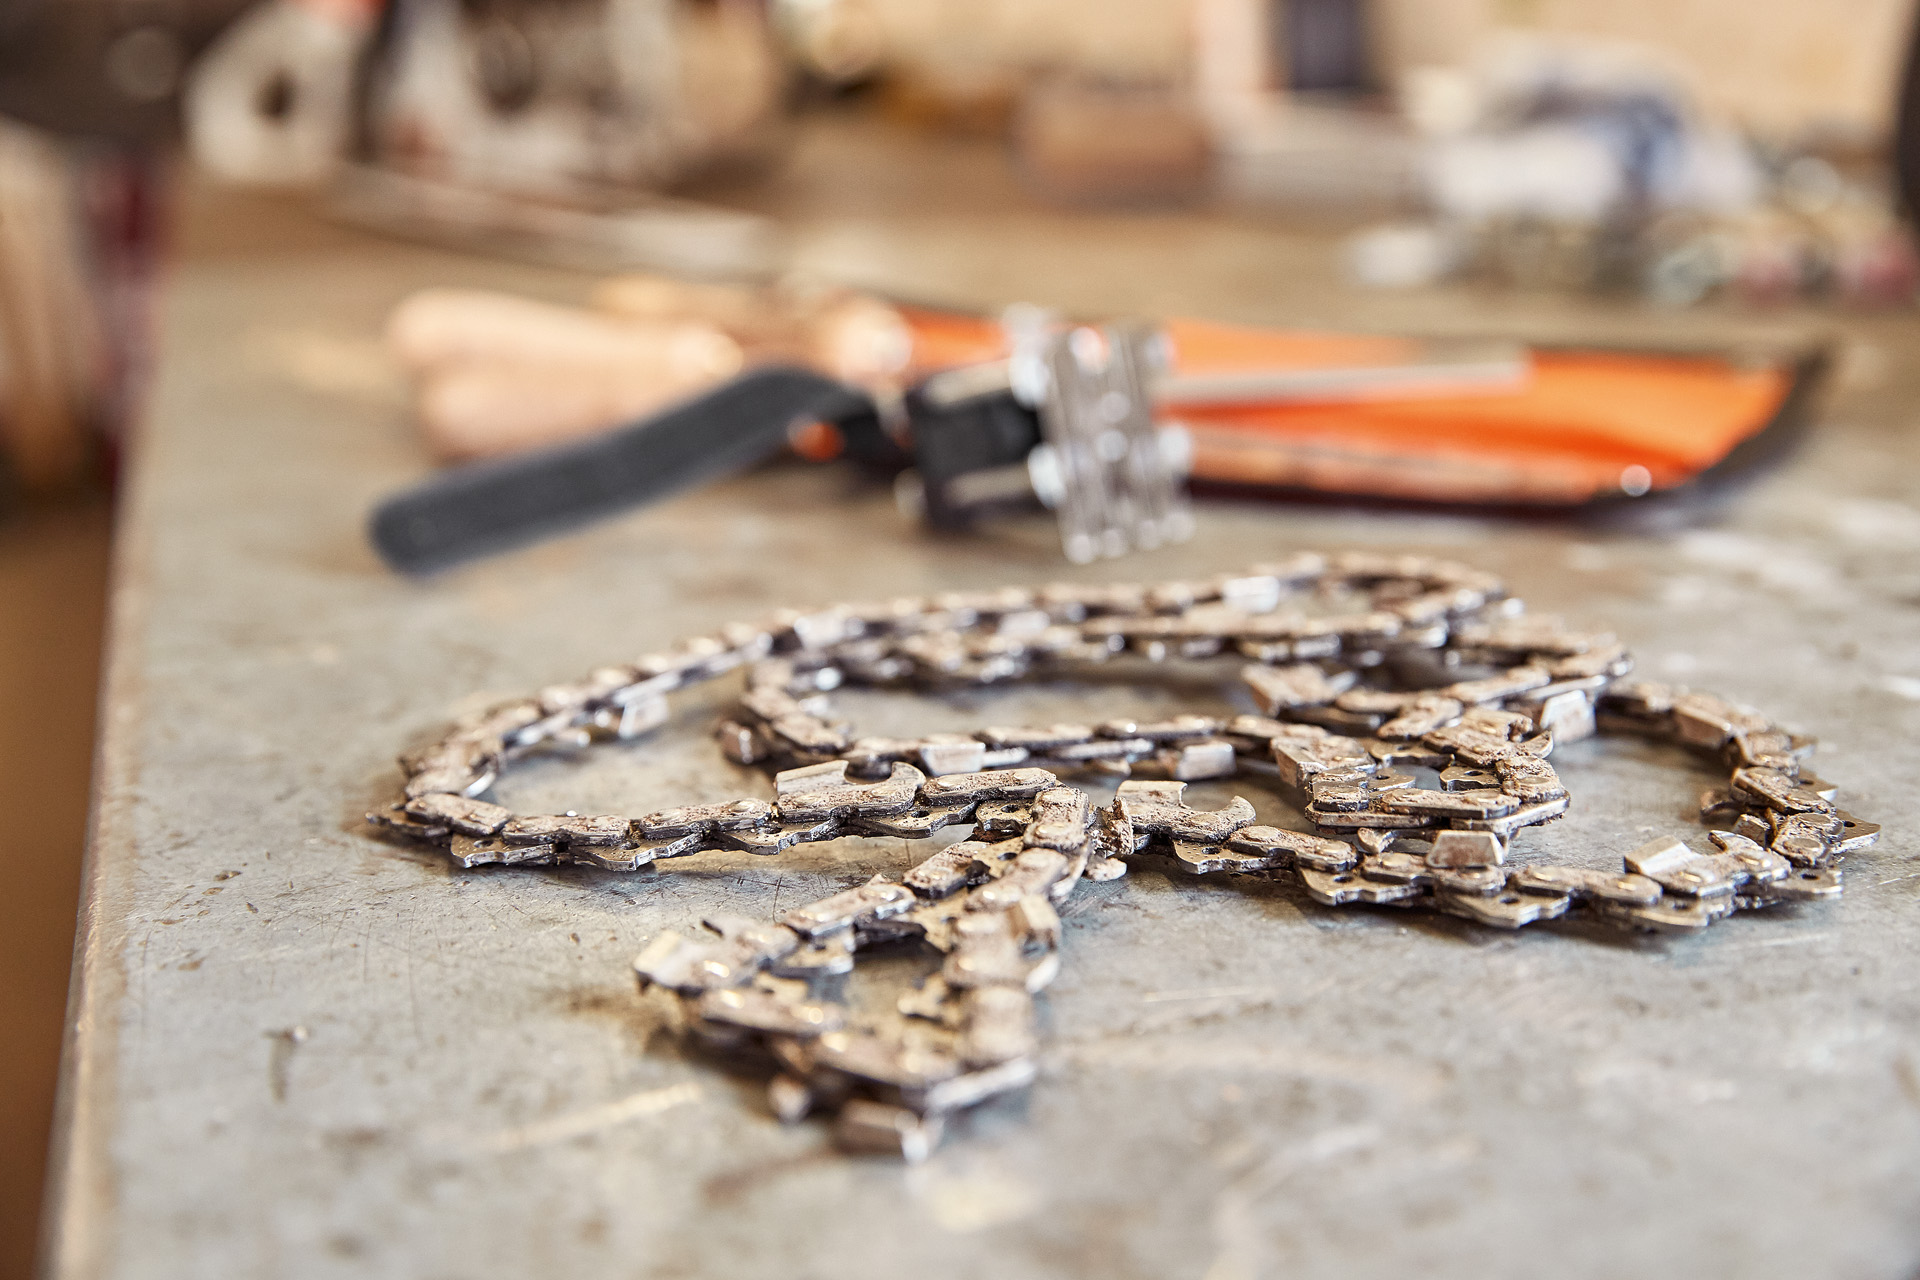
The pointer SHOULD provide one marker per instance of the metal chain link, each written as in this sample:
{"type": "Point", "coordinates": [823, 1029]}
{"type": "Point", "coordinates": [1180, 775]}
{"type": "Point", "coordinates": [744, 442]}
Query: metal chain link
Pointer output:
{"type": "Point", "coordinates": [1437, 668]}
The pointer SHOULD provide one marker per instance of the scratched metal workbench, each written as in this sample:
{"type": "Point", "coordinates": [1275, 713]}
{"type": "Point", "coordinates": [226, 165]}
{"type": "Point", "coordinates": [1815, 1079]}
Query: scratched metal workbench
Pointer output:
{"type": "Point", "coordinates": [298, 1050]}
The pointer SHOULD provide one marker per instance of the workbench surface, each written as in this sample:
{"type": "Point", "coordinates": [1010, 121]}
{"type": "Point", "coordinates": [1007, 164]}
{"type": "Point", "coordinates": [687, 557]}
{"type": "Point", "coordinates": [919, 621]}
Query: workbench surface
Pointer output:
{"type": "Point", "coordinates": [300, 1050]}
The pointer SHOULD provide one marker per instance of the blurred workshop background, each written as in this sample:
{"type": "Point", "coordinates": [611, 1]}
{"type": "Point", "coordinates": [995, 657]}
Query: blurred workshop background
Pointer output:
{"type": "Point", "coordinates": [1641, 156]}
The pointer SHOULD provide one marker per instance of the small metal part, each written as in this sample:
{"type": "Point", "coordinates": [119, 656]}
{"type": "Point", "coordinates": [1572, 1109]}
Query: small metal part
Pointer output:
{"type": "Point", "coordinates": [1753, 859]}
{"type": "Point", "coordinates": [874, 1128]}
{"type": "Point", "coordinates": [629, 855]}
{"type": "Point", "coordinates": [462, 782]}
{"type": "Point", "coordinates": [1420, 717]}
{"type": "Point", "coordinates": [1704, 721]}
{"type": "Point", "coordinates": [986, 951]}
{"type": "Point", "coordinates": [468, 817]}
{"type": "Point", "coordinates": [1303, 684]}
{"type": "Point", "coordinates": [1030, 872]}
{"type": "Point", "coordinates": [1047, 738]}
{"type": "Point", "coordinates": [1808, 782]}
{"type": "Point", "coordinates": [1717, 803]}
{"type": "Point", "coordinates": [1565, 713]}
{"type": "Point", "coordinates": [1182, 728]}
{"type": "Point", "coordinates": [877, 899]}
{"type": "Point", "coordinates": [598, 829]}
{"type": "Point", "coordinates": [1397, 868]}
{"type": "Point", "coordinates": [1001, 819]}
{"type": "Point", "coordinates": [545, 829]}
{"type": "Point", "coordinates": [1338, 888]}
{"type": "Point", "coordinates": [808, 778]}
{"type": "Point", "coordinates": [479, 851]}
{"type": "Point", "coordinates": [1193, 761]}
{"type": "Point", "coordinates": [1854, 835]}
{"type": "Point", "coordinates": [1098, 752]}
{"type": "Point", "coordinates": [952, 754]}
{"type": "Point", "coordinates": [1420, 802]}
{"type": "Point", "coordinates": [693, 965]}
{"type": "Point", "coordinates": [1308, 751]}
{"type": "Point", "coordinates": [754, 1009]}
{"type": "Point", "coordinates": [826, 956]}
{"type": "Point", "coordinates": [1339, 792]}
{"type": "Point", "coordinates": [1678, 869]}
{"type": "Point", "coordinates": [1474, 745]}
{"type": "Point", "coordinates": [1468, 778]}
{"type": "Point", "coordinates": [1472, 881]}
{"type": "Point", "coordinates": [1376, 839]}
{"type": "Point", "coordinates": [1803, 884]}
{"type": "Point", "coordinates": [741, 744]}
{"type": "Point", "coordinates": [972, 1088]}
{"type": "Point", "coordinates": [915, 824]}
{"type": "Point", "coordinates": [1036, 922]}
{"type": "Point", "coordinates": [1338, 721]}
{"type": "Point", "coordinates": [775, 839]}
{"type": "Point", "coordinates": [634, 719]}
{"type": "Point", "coordinates": [1529, 779]}
{"type": "Point", "coordinates": [1503, 910]}
{"type": "Point", "coordinates": [1334, 820]}
{"type": "Point", "coordinates": [1109, 839]}
{"type": "Point", "coordinates": [1467, 849]}
{"type": "Point", "coordinates": [765, 939]}
{"type": "Point", "coordinates": [1498, 688]}
{"type": "Point", "coordinates": [1527, 815]}
{"type": "Point", "coordinates": [395, 818]}
{"type": "Point", "coordinates": [1586, 882]}
{"type": "Point", "coordinates": [946, 872]}
{"type": "Point", "coordinates": [789, 1098]}
{"type": "Point", "coordinates": [1157, 808]}
{"type": "Point", "coordinates": [960, 788]}
{"type": "Point", "coordinates": [1682, 914]}
{"type": "Point", "coordinates": [896, 795]}
{"type": "Point", "coordinates": [997, 1025]}
{"type": "Point", "coordinates": [1645, 701]}
{"type": "Point", "coordinates": [1203, 858]}
{"type": "Point", "coordinates": [1296, 848]}
{"type": "Point", "coordinates": [1781, 791]}
{"type": "Point", "coordinates": [699, 819]}
{"type": "Point", "coordinates": [1059, 820]}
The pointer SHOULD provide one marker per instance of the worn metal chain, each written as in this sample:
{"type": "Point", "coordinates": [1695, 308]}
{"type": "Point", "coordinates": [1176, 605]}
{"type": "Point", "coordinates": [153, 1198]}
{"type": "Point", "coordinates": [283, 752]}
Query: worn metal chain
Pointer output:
{"type": "Point", "coordinates": [1426, 665]}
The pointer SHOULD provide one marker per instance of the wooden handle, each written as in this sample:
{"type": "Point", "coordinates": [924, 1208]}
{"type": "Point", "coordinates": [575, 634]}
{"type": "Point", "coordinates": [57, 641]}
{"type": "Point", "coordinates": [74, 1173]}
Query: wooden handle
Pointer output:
{"type": "Point", "coordinates": [498, 374]}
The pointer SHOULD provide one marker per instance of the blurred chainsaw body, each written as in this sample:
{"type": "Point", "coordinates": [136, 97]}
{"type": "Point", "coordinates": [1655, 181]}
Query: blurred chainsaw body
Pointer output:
{"type": "Point", "coordinates": [1346, 414]}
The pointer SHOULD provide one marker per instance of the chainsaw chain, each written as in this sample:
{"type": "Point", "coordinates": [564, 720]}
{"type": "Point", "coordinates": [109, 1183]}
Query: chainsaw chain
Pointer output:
{"type": "Point", "coordinates": [1409, 663]}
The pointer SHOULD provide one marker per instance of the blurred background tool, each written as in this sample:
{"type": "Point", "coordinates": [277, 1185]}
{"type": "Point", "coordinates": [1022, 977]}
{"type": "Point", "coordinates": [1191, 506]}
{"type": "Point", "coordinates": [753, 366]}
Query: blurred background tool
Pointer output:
{"type": "Point", "coordinates": [1488, 424]}
{"type": "Point", "coordinates": [1359, 416]}
{"type": "Point", "coordinates": [553, 128]}
{"type": "Point", "coordinates": [495, 373]}
{"type": "Point", "coordinates": [1067, 419]}
{"type": "Point", "coordinates": [559, 96]}
{"type": "Point", "coordinates": [546, 128]}
{"type": "Point", "coordinates": [271, 102]}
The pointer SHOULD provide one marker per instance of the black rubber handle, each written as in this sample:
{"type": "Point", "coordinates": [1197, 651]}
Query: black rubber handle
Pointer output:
{"type": "Point", "coordinates": [491, 506]}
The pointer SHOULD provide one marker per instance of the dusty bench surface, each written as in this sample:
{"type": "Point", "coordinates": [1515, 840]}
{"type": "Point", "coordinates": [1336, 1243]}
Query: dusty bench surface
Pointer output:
{"type": "Point", "coordinates": [300, 1050]}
